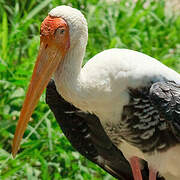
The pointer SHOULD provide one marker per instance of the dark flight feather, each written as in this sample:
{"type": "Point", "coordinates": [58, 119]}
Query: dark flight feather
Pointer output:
{"type": "Point", "coordinates": [86, 134]}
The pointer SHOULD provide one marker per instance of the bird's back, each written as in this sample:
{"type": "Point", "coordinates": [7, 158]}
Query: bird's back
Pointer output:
{"type": "Point", "coordinates": [109, 75]}
{"type": "Point", "coordinates": [124, 63]}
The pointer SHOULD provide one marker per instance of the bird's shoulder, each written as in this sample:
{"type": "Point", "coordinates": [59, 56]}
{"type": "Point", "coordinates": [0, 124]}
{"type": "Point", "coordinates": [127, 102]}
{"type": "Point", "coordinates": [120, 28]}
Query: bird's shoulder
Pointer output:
{"type": "Point", "coordinates": [120, 58]}
{"type": "Point", "coordinates": [126, 67]}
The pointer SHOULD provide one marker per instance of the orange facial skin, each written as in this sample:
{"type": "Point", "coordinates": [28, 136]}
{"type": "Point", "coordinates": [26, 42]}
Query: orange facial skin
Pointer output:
{"type": "Point", "coordinates": [49, 32]}
{"type": "Point", "coordinates": [54, 44]}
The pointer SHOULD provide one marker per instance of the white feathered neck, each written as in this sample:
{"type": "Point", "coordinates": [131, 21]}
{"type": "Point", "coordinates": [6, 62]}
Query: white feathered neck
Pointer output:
{"type": "Point", "coordinates": [69, 77]}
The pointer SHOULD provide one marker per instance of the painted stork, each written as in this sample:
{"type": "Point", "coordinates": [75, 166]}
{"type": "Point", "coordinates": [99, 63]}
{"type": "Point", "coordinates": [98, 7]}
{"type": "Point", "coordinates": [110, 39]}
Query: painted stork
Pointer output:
{"type": "Point", "coordinates": [134, 97]}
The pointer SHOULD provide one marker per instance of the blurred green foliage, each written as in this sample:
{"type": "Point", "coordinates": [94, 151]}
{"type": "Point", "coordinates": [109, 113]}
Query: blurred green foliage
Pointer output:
{"type": "Point", "coordinates": [45, 153]}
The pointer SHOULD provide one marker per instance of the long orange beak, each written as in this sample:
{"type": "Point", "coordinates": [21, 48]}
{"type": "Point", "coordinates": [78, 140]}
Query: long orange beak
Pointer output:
{"type": "Point", "coordinates": [47, 62]}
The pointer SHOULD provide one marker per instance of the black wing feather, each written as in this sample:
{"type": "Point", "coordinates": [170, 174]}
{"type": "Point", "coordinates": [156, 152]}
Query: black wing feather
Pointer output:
{"type": "Point", "coordinates": [87, 136]}
{"type": "Point", "coordinates": [165, 96]}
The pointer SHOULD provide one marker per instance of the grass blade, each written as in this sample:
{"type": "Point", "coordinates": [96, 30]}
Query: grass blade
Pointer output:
{"type": "Point", "coordinates": [4, 35]}
{"type": "Point", "coordinates": [37, 9]}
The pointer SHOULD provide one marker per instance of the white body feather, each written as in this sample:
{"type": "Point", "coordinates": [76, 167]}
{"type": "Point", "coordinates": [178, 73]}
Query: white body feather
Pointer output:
{"type": "Point", "coordinates": [101, 86]}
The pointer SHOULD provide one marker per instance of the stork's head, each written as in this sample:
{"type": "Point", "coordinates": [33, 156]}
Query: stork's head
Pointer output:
{"type": "Point", "coordinates": [60, 32]}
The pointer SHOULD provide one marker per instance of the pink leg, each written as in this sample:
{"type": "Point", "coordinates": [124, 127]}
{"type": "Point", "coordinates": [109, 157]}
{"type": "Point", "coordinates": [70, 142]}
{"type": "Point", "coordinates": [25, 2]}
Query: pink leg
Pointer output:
{"type": "Point", "coordinates": [152, 173]}
{"type": "Point", "coordinates": [134, 162]}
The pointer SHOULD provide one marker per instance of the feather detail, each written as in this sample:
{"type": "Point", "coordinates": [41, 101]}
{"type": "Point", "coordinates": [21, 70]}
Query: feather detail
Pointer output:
{"type": "Point", "coordinates": [87, 136]}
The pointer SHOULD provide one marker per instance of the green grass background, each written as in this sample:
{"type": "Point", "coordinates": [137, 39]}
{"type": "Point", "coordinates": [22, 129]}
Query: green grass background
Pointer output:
{"type": "Point", "coordinates": [45, 152]}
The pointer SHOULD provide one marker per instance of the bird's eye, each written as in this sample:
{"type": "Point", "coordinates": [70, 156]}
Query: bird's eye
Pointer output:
{"type": "Point", "coordinates": [60, 31]}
